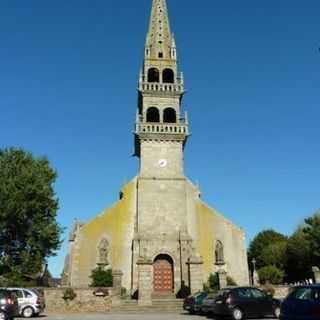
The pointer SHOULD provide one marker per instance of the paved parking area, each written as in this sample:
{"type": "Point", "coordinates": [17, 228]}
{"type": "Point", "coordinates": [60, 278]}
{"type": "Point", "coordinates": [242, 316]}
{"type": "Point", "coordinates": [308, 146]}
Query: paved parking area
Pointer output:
{"type": "Point", "coordinates": [128, 317]}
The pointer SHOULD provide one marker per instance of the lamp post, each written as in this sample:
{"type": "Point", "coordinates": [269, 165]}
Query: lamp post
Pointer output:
{"type": "Point", "coordinates": [253, 261]}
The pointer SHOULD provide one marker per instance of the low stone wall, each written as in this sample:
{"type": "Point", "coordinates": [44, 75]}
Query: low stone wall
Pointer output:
{"type": "Point", "coordinates": [281, 291]}
{"type": "Point", "coordinates": [85, 301]}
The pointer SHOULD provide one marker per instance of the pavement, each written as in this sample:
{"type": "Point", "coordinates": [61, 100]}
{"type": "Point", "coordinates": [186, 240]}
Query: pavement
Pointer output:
{"type": "Point", "coordinates": [110, 316]}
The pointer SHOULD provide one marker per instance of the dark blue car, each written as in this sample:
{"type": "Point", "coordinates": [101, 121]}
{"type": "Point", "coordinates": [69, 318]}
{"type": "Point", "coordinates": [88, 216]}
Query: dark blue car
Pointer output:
{"type": "Point", "coordinates": [302, 303]}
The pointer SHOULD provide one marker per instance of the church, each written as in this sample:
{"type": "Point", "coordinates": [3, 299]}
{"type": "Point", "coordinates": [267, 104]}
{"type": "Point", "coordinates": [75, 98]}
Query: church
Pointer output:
{"type": "Point", "coordinates": [160, 235]}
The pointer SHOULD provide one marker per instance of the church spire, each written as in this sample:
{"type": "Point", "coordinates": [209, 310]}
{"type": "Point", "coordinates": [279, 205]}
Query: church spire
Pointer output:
{"type": "Point", "coordinates": [161, 87]}
{"type": "Point", "coordinates": [159, 41]}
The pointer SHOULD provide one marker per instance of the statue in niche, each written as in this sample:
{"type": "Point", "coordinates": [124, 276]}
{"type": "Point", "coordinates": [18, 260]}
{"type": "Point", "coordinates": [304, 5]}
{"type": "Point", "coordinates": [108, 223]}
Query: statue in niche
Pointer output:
{"type": "Point", "coordinates": [103, 249]}
{"type": "Point", "coordinates": [219, 253]}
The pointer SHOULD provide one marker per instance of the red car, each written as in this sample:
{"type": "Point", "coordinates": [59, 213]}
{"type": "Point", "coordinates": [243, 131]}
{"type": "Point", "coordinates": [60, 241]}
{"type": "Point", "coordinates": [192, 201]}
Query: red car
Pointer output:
{"type": "Point", "coordinates": [8, 305]}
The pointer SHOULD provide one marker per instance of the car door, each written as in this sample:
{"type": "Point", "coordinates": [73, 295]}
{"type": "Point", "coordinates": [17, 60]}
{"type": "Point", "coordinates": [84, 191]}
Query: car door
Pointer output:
{"type": "Point", "coordinates": [20, 298]}
{"type": "Point", "coordinates": [315, 304]}
{"type": "Point", "coordinates": [28, 297]}
{"type": "Point", "coordinates": [262, 302]}
{"type": "Point", "coordinates": [245, 301]}
{"type": "Point", "coordinates": [302, 306]}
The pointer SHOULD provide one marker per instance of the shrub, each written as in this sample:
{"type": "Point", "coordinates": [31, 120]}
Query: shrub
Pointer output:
{"type": "Point", "coordinates": [270, 274]}
{"type": "Point", "coordinates": [69, 295]}
{"type": "Point", "coordinates": [101, 277]}
{"type": "Point", "coordinates": [212, 284]}
{"type": "Point", "coordinates": [231, 282]}
{"type": "Point", "coordinates": [123, 291]}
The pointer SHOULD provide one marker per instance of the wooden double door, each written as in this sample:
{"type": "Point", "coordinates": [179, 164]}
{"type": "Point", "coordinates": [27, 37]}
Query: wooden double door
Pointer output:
{"type": "Point", "coordinates": [162, 276]}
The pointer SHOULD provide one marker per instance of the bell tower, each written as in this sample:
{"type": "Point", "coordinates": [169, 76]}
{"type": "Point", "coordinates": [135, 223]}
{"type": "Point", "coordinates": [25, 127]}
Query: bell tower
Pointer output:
{"type": "Point", "coordinates": [161, 130]}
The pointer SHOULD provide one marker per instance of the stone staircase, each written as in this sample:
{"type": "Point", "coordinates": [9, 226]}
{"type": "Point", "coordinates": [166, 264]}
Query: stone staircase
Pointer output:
{"type": "Point", "coordinates": [163, 305]}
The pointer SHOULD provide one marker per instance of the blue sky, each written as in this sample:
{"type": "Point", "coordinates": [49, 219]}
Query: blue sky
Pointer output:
{"type": "Point", "coordinates": [69, 72]}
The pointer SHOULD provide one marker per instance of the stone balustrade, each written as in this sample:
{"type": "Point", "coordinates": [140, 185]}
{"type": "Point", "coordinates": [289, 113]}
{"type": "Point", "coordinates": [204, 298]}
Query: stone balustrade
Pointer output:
{"type": "Point", "coordinates": [161, 87]}
{"type": "Point", "coordinates": [163, 128]}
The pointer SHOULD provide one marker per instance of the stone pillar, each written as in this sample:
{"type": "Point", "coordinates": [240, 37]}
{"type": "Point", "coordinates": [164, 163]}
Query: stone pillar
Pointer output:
{"type": "Point", "coordinates": [117, 282]}
{"type": "Point", "coordinates": [145, 282]}
{"type": "Point", "coordinates": [255, 278]}
{"type": "Point", "coordinates": [195, 274]}
{"type": "Point", "coordinates": [222, 277]}
{"type": "Point", "coordinates": [316, 273]}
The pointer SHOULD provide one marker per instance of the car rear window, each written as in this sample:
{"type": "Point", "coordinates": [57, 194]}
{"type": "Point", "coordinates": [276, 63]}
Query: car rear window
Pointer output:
{"type": "Point", "coordinates": [257, 293]}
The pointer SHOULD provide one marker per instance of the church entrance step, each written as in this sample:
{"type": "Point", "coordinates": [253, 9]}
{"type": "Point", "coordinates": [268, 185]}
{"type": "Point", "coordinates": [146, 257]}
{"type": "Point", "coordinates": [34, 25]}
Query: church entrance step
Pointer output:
{"type": "Point", "coordinates": [159, 296]}
{"type": "Point", "coordinates": [158, 305]}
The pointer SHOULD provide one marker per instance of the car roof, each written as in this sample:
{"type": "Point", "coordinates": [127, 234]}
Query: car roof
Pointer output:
{"type": "Point", "coordinates": [315, 285]}
{"type": "Point", "coordinates": [236, 288]}
{"type": "Point", "coordinates": [26, 289]}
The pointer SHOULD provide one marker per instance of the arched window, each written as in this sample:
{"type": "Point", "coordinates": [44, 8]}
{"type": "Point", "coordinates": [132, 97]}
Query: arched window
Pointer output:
{"type": "Point", "coordinates": [153, 115]}
{"type": "Point", "coordinates": [219, 254]}
{"type": "Point", "coordinates": [168, 76]}
{"type": "Point", "coordinates": [153, 75]}
{"type": "Point", "coordinates": [169, 115]}
{"type": "Point", "coordinates": [103, 251]}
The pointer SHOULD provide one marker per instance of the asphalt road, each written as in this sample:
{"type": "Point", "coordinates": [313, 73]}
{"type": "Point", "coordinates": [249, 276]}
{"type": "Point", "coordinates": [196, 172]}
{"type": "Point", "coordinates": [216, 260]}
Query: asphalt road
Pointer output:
{"type": "Point", "coordinates": [128, 317]}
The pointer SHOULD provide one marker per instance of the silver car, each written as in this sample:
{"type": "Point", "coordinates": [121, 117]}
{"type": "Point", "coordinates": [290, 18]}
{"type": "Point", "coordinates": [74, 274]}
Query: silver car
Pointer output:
{"type": "Point", "coordinates": [30, 302]}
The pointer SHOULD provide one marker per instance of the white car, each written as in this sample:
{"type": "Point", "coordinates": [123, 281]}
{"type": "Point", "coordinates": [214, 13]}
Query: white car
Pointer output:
{"type": "Point", "coordinates": [30, 302]}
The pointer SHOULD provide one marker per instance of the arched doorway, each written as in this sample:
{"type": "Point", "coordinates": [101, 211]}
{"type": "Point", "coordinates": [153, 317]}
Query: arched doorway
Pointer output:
{"type": "Point", "coordinates": [163, 278]}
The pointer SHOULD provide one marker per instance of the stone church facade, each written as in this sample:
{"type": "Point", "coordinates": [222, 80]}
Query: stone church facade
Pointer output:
{"type": "Point", "coordinates": [160, 234]}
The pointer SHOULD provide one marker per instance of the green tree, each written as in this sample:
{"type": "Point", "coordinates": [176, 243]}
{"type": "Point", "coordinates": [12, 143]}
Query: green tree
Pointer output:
{"type": "Point", "coordinates": [264, 245]}
{"type": "Point", "coordinates": [101, 277]}
{"type": "Point", "coordinates": [312, 233]}
{"type": "Point", "coordinates": [212, 284]}
{"type": "Point", "coordinates": [270, 274]}
{"type": "Point", "coordinates": [275, 254]}
{"type": "Point", "coordinates": [298, 266]}
{"type": "Point", "coordinates": [29, 232]}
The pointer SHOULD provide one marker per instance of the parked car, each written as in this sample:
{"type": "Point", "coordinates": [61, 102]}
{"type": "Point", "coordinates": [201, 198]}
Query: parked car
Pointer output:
{"type": "Point", "coordinates": [243, 302]}
{"type": "Point", "coordinates": [207, 303]}
{"type": "Point", "coordinates": [193, 302]}
{"type": "Point", "coordinates": [8, 305]}
{"type": "Point", "coordinates": [30, 302]}
{"type": "Point", "coordinates": [303, 302]}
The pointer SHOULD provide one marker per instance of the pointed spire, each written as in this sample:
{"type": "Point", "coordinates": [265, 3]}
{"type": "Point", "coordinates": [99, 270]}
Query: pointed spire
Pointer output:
{"type": "Point", "coordinates": [159, 39]}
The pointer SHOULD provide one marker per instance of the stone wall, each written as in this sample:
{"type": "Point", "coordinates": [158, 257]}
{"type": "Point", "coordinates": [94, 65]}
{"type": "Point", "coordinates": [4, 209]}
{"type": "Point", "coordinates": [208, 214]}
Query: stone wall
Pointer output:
{"type": "Point", "coordinates": [281, 291]}
{"type": "Point", "coordinates": [85, 301]}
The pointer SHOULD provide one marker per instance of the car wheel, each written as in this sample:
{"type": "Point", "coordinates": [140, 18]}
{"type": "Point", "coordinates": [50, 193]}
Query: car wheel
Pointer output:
{"type": "Point", "coordinates": [27, 312]}
{"type": "Point", "coordinates": [237, 314]}
{"type": "Point", "coordinates": [276, 312]}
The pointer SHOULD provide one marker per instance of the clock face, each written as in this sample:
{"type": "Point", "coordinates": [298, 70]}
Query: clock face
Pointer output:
{"type": "Point", "coordinates": [162, 163]}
